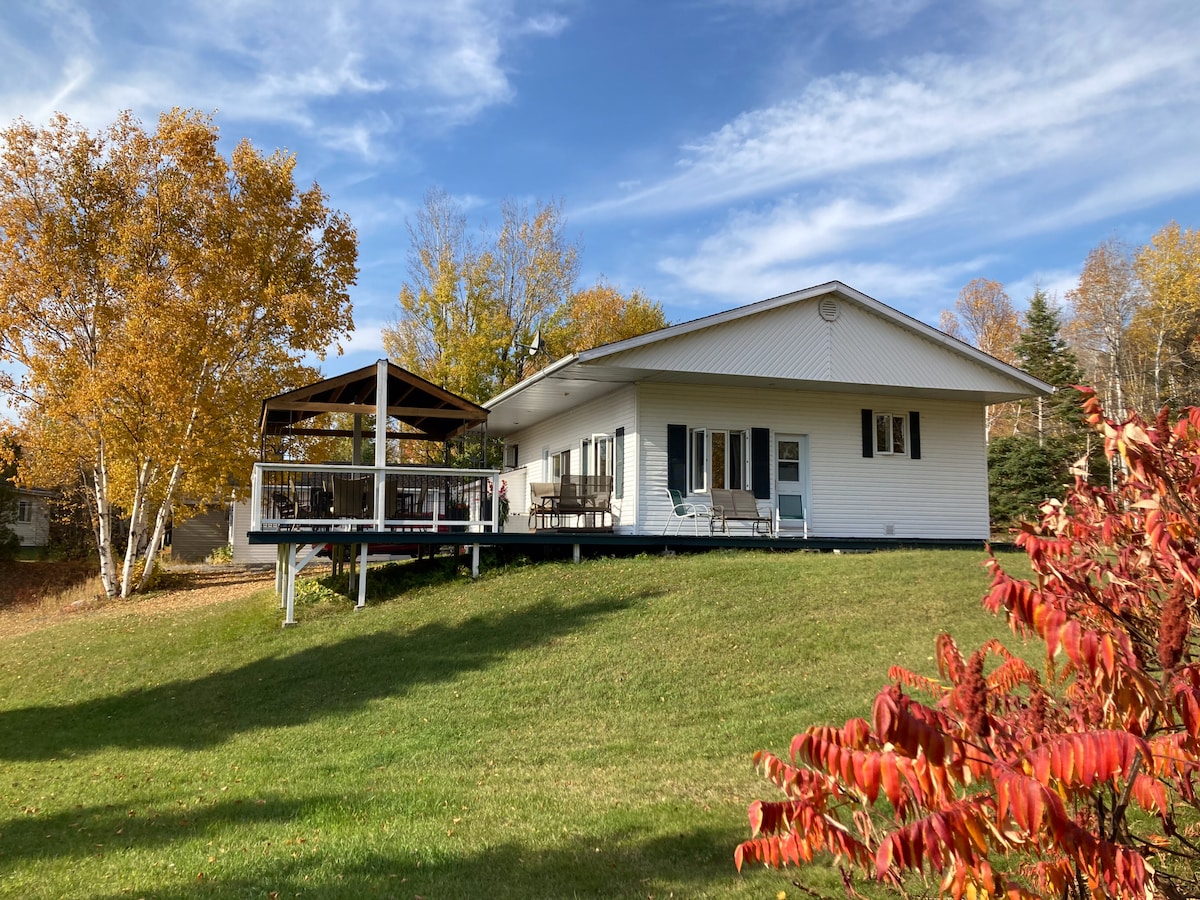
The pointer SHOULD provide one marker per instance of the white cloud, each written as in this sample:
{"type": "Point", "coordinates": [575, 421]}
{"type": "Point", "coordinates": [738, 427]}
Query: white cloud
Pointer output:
{"type": "Point", "coordinates": [1056, 119]}
{"type": "Point", "coordinates": [351, 73]}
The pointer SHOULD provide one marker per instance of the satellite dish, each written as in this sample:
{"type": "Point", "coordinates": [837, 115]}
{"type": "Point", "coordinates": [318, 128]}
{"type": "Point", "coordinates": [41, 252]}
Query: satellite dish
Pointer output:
{"type": "Point", "coordinates": [538, 344]}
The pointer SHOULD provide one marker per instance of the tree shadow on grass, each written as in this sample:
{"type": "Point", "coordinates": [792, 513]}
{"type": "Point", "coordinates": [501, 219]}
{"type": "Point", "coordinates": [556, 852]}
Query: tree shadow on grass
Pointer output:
{"type": "Point", "coordinates": [91, 830]}
{"type": "Point", "coordinates": [692, 863]}
{"type": "Point", "coordinates": [289, 690]}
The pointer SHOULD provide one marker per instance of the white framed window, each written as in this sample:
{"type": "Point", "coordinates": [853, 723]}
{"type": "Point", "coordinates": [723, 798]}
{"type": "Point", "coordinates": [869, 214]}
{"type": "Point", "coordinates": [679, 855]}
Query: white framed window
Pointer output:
{"type": "Point", "coordinates": [511, 455]}
{"type": "Point", "coordinates": [891, 434]}
{"type": "Point", "coordinates": [560, 464]}
{"type": "Point", "coordinates": [718, 459]}
{"type": "Point", "coordinates": [596, 453]}
{"type": "Point", "coordinates": [24, 511]}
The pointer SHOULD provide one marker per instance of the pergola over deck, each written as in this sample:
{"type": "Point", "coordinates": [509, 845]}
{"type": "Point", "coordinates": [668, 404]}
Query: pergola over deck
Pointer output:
{"type": "Point", "coordinates": [430, 412]}
{"type": "Point", "coordinates": [301, 503]}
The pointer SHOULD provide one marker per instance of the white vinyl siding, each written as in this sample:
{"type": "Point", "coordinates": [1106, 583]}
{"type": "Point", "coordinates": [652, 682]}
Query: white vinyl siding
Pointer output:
{"type": "Point", "coordinates": [794, 342]}
{"type": "Point", "coordinates": [941, 495]}
{"type": "Point", "coordinates": [245, 553]}
{"type": "Point", "coordinates": [592, 422]}
{"type": "Point", "coordinates": [32, 524]}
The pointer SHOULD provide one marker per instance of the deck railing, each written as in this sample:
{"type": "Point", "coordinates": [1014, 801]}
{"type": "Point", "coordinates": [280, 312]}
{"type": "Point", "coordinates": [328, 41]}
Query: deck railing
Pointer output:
{"type": "Point", "coordinates": [326, 497]}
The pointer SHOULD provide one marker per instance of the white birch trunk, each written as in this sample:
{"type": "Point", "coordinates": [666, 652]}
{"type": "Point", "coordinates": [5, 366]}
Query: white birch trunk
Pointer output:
{"type": "Point", "coordinates": [164, 509]}
{"type": "Point", "coordinates": [137, 527]}
{"type": "Point", "coordinates": [160, 526]}
{"type": "Point", "coordinates": [104, 547]}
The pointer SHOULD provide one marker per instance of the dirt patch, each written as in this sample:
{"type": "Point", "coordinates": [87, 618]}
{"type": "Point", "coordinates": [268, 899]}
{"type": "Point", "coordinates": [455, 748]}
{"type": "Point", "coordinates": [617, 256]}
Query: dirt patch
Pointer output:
{"type": "Point", "coordinates": [62, 596]}
{"type": "Point", "coordinates": [25, 581]}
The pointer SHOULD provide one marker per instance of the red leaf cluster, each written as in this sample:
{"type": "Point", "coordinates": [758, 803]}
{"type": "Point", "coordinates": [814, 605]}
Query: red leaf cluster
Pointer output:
{"type": "Point", "coordinates": [1008, 785]}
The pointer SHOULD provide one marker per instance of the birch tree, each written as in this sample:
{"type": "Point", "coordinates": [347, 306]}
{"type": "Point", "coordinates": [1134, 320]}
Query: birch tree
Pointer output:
{"type": "Point", "coordinates": [471, 307]}
{"type": "Point", "coordinates": [984, 316]}
{"type": "Point", "coordinates": [1103, 306]}
{"type": "Point", "coordinates": [156, 291]}
{"type": "Point", "coordinates": [1167, 324]}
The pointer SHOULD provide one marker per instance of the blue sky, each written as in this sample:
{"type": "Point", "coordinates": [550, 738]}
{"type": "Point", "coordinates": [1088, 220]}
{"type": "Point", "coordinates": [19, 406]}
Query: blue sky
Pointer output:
{"type": "Point", "coordinates": [708, 152]}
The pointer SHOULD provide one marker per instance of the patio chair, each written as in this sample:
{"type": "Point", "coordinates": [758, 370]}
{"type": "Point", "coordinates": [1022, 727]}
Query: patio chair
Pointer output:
{"type": "Point", "coordinates": [790, 508]}
{"type": "Point", "coordinates": [682, 510]}
{"type": "Point", "coordinates": [588, 499]}
{"type": "Point", "coordinates": [543, 497]}
{"type": "Point", "coordinates": [353, 499]}
{"type": "Point", "coordinates": [283, 507]}
{"type": "Point", "coordinates": [738, 505]}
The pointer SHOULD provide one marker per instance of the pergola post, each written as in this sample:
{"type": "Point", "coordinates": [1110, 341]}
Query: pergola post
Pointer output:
{"type": "Point", "coordinates": [381, 416]}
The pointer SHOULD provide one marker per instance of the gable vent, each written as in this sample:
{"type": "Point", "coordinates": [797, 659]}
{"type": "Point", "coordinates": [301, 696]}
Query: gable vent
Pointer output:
{"type": "Point", "coordinates": [829, 309]}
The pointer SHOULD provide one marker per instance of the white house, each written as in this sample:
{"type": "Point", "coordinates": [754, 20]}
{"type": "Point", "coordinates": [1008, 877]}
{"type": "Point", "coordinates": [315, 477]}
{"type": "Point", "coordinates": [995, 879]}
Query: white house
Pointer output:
{"type": "Point", "coordinates": [32, 521]}
{"type": "Point", "coordinates": [875, 418]}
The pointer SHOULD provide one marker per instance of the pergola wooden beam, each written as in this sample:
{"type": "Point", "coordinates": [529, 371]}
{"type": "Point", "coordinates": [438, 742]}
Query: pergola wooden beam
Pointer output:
{"type": "Point", "coordinates": [420, 412]}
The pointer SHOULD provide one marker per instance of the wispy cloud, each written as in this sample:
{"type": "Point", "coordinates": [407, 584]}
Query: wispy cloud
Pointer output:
{"type": "Point", "coordinates": [1053, 120]}
{"type": "Point", "coordinates": [404, 65]}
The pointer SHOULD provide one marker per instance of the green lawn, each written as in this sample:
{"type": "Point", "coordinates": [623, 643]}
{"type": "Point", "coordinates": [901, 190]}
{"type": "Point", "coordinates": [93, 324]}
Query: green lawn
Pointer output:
{"type": "Point", "coordinates": [548, 731]}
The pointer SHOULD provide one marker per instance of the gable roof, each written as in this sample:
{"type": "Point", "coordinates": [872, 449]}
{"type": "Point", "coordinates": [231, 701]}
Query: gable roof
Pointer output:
{"type": "Point", "coordinates": [431, 412]}
{"type": "Point", "coordinates": [828, 338]}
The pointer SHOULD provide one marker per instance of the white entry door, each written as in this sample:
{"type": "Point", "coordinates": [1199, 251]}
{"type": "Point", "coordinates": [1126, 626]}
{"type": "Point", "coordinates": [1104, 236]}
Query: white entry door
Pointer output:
{"type": "Point", "coordinates": [791, 467]}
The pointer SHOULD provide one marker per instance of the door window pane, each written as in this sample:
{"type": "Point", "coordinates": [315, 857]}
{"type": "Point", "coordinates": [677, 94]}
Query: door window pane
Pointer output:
{"type": "Point", "coordinates": [737, 459]}
{"type": "Point", "coordinates": [788, 463]}
{"type": "Point", "coordinates": [718, 459]}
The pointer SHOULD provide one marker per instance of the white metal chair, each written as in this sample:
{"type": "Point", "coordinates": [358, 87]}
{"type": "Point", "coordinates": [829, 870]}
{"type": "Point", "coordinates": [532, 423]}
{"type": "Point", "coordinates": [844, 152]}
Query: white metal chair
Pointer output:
{"type": "Point", "coordinates": [682, 510]}
{"type": "Point", "coordinates": [790, 508]}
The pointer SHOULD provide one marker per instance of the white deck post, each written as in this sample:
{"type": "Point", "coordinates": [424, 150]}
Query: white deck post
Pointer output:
{"type": "Point", "coordinates": [381, 415]}
{"type": "Point", "coordinates": [280, 569]}
{"type": "Point", "coordinates": [362, 577]}
{"type": "Point", "coordinates": [474, 560]}
{"type": "Point", "coordinates": [289, 590]}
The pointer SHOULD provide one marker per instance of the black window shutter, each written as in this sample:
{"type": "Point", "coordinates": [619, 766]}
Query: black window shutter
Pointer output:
{"type": "Point", "coordinates": [868, 432]}
{"type": "Point", "coordinates": [618, 463]}
{"type": "Point", "coordinates": [760, 462]}
{"type": "Point", "coordinates": [677, 458]}
{"type": "Point", "coordinates": [914, 435]}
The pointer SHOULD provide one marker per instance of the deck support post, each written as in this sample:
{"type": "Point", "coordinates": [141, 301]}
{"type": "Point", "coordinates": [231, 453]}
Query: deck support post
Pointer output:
{"type": "Point", "coordinates": [294, 567]}
{"type": "Point", "coordinates": [362, 577]}
{"type": "Point", "coordinates": [289, 588]}
{"type": "Point", "coordinates": [575, 554]}
{"type": "Point", "coordinates": [474, 560]}
{"type": "Point", "coordinates": [280, 572]}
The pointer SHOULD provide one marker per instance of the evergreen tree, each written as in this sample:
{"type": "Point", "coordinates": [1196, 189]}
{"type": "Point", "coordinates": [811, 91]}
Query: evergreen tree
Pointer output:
{"type": "Point", "coordinates": [1026, 469]}
{"type": "Point", "coordinates": [1042, 352]}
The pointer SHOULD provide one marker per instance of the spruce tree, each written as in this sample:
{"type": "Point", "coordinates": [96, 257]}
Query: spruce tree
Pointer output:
{"type": "Point", "coordinates": [1043, 353]}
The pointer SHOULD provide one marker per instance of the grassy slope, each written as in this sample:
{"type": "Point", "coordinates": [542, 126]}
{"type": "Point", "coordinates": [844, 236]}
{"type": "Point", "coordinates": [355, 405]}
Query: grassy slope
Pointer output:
{"type": "Point", "coordinates": [552, 731]}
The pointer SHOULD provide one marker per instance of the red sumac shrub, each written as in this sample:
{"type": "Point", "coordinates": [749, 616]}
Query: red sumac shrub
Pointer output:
{"type": "Point", "coordinates": [1075, 782]}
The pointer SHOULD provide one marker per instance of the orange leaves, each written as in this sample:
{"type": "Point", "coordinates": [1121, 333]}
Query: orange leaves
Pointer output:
{"type": "Point", "coordinates": [791, 833]}
{"type": "Point", "coordinates": [1086, 760]}
{"type": "Point", "coordinates": [1053, 769]}
{"type": "Point", "coordinates": [895, 723]}
{"type": "Point", "coordinates": [954, 834]}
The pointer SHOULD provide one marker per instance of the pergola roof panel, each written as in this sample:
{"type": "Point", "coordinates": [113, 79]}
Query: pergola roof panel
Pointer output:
{"type": "Point", "coordinates": [432, 412]}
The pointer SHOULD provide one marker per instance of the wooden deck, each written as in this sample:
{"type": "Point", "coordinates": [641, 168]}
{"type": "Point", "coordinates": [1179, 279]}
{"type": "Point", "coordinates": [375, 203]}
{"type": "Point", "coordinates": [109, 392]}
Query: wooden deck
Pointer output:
{"type": "Point", "coordinates": [633, 543]}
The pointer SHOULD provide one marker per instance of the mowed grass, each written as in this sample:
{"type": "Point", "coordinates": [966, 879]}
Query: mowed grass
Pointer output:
{"type": "Point", "coordinates": [553, 730]}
